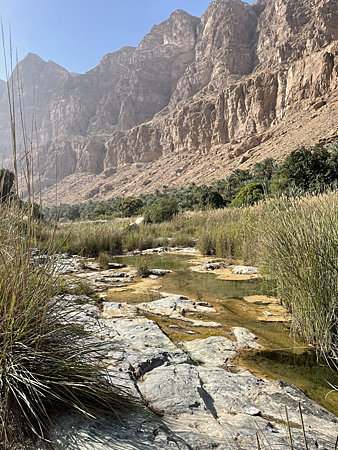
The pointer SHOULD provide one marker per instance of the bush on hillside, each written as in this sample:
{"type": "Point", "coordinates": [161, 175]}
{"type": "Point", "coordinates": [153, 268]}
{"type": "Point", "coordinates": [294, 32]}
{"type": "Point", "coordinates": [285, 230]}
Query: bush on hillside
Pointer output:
{"type": "Point", "coordinates": [249, 195]}
{"type": "Point", "coordinates": [165, 209]}
{"type": "Point", "coordinates": [129, 206]}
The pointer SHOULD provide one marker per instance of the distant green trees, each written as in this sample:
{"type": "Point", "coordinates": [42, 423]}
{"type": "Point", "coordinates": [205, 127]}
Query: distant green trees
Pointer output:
{"type": "Point", "coordinates": [265, 170]}
{"type": "Point", "coordinates": [129, 206]}
{"type": "Point", "coordinates": [211, 199]}
{"type": "Point", "coordinates": [311, 169]}
{"type": "Point", "coordinates": [305, 169]}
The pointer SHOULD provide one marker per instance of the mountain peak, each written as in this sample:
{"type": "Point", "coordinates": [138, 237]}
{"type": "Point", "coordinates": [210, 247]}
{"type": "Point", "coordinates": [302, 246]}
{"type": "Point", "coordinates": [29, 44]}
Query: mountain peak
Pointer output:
{"type": "Point", "coordinates": [32, 57]}
{"type": "Point", "coordinates": [221, 85]}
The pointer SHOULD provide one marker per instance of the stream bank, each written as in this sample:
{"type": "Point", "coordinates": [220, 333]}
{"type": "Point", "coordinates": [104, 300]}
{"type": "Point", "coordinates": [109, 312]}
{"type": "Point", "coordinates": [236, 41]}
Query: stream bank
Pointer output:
{"type": "Point", "coordinates": [186, 369]}
{"type": "Point", "coordinates": [203, 403]}
{"type": "Point", "coordinates": [244, 301]}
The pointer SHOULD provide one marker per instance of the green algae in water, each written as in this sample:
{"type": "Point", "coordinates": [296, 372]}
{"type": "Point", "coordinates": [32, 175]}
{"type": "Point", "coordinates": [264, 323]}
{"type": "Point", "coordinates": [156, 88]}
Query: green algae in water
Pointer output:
{"type": "Point", "coordinates": [131, 296]}
{"type": "Point", "coordinates": [304, 370]}
{"type": "Point", "coordinates": [165, 261]}
{"type": "Point", "coordinates": [206, 286]}
{"type": "Point", "coordinates": [227, 297]}
{"type": "Point", "coordinates": [292, 364]}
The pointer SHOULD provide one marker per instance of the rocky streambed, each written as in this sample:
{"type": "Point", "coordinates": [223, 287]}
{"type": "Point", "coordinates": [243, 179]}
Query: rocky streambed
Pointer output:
{"type": "Point", "coordinates": [205, 400]}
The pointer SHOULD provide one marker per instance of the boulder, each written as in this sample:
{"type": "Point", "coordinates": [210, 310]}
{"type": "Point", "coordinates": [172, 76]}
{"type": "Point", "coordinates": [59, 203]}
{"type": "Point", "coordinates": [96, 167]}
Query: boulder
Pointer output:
{"type": "Point", "coordinates": [244, 270]}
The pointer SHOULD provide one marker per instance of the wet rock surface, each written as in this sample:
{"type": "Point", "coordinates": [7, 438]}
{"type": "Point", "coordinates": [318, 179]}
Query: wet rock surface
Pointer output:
{"type": "Point", "coordinates": [175, 307]}
{"type": "Point", "coordinates": [202, 395]}
{"type": "Point", "coordinates": [204, 405]}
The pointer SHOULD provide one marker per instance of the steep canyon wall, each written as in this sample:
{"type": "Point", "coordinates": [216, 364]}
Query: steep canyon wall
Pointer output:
{"type": "Point", "coordinates": [226, 78]}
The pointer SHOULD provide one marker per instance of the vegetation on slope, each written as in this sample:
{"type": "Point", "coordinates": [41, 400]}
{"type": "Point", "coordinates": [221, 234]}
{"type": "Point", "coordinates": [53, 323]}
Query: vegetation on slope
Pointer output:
{"type": "Point", "coordinates": [307, 169]}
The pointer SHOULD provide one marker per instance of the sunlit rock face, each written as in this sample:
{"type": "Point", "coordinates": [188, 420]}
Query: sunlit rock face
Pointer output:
{"type": "Point", "coordinates": [191, 84]}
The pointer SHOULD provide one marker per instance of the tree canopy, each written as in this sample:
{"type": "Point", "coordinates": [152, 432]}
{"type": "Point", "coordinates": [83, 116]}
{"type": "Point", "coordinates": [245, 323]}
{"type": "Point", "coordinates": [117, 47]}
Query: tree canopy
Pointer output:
{"type": "Point", "coordinates": [305, 169]}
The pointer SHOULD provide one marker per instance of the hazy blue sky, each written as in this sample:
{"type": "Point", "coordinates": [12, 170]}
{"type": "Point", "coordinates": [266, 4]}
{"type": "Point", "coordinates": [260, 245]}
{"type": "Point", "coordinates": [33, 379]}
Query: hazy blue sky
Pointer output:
{"type": "Point", "coordinates": [76, 34]}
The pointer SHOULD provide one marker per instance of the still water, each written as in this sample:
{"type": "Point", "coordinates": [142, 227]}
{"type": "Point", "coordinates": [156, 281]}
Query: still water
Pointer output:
{"type": "Point", "coordinates": [285, 356]}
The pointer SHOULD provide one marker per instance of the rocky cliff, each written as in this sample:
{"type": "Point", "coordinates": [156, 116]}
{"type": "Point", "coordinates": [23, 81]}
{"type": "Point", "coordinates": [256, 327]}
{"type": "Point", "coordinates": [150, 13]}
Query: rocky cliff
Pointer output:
{"type": "Point", "coordinates": [197, 97]}
{"type": "Point", "coordinates": [2, 87]}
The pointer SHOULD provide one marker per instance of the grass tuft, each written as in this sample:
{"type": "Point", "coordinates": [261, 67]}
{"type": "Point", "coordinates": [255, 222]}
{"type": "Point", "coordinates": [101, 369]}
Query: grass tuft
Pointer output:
{"type": "Point", "coordinates": [46, 361]}
{"type": "Point", "coordinates": [301, 254]}
{"type": "Point", "coordinates": [103, 260]}
{"type": "Point", "coordinates": [142, 266]}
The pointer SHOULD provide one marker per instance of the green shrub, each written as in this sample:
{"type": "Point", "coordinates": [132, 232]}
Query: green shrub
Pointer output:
{"type": "Point", "coordinates": [249, 195]}
{"type": "Point", "coordinates": [165, 209]}
{"type": "Point", "coordinates": [129, 206]}
{"type": "Point", "coordinates": [211, 200]}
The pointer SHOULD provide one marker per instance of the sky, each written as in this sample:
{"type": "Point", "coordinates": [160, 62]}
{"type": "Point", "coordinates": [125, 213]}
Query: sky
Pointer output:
{"type": "Point", "coordinates": [77, 33]}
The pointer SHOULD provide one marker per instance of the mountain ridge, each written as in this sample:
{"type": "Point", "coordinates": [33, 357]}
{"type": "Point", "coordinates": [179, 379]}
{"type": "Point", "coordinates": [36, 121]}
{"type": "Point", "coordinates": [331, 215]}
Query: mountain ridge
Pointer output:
{"type": "Point", "coordinates": [222, 85]}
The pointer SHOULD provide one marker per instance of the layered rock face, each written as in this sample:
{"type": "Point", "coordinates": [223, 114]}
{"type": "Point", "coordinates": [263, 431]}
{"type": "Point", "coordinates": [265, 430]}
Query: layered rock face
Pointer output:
{"type": "Point", "coordinates": [2, 87]}
{"type": "Point", "coordinates": [193, 84]}
{"type": "Point", "coordinates": [32, 85]}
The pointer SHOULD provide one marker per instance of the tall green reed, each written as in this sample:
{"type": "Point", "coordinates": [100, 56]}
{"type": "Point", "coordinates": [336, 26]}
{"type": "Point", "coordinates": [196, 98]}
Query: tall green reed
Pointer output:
{"type": "Point", "coordinates": [232, 233]}
{"type": "Point", "coordinates": [88, 239]}
{"type": "Point", "coordinates": [300, 244]}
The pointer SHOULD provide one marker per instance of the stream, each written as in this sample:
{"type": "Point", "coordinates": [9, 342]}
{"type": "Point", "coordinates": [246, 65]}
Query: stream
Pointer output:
{"type": "Point", "coordinates": [283, 357]}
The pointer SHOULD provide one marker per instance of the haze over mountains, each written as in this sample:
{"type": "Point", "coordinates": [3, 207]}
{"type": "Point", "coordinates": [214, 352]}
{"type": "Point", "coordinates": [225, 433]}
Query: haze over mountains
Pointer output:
{"type": "Point", "coordinates": [197, 98]}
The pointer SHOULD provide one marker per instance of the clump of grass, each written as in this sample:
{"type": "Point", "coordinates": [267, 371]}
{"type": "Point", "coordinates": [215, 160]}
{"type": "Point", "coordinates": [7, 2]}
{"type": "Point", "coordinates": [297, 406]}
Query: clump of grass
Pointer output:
{"type": "Point", "coordinates": [139, 239]}
{"type": "Point", "coordinates": [47, 362]}
{"type": "Point", "coordinates": [225, 240]}
{"type": "Point", "coordinates": [142, 266]}
{"type": "Point", "coordinates": [301, 254]}
{"type": "Point", "coordinates": [78, 288]}
{"type": "Point", "coordinates": [182, 239]}
{"type": "Point", "coordinates": [205, 243]}
{"type": "Point", "coordinates": [103, 260]}
{"type": "Point", "coordinates": [230, 233]}
{"type": "Point", "coordinates": [90, 239]}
